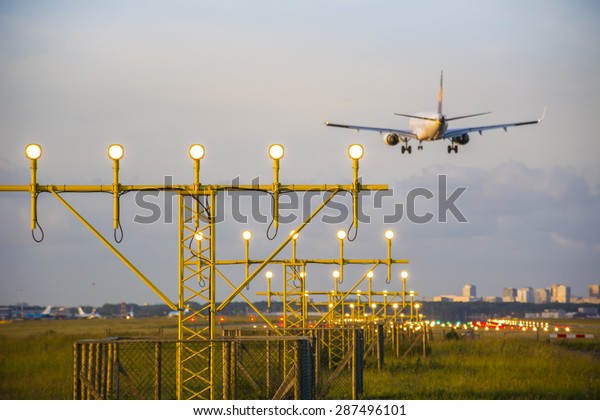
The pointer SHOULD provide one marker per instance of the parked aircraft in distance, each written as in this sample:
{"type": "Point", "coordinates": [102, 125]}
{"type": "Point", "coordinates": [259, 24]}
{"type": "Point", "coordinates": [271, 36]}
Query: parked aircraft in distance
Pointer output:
{"type": "Point", "coordinates": [81, 314]}
{"type": "Point", "coordinates": [45, 314]}
{"type": "Point", "coordinates": [431, 127]}
{"type": "Point", "coordinates": [173, 314]}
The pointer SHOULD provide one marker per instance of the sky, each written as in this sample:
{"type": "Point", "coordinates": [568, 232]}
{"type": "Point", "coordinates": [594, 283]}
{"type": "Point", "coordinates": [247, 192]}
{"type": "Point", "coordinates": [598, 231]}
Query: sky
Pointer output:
{"type": "Point", "coordinates": [237, 76]}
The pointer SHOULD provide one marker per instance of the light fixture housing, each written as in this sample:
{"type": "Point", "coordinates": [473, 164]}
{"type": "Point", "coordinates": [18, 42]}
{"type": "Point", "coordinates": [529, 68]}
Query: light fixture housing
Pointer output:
{"type": "Point", "coordinates": [356, 151]}
{"type": "Point", "coordinates": [276, 151]}
{"type": "Point", "coordinates": [116, 151]}
{"type": "Point", "coordinates": [246, 235]}
{"type": "Point", "coordinates": [33, 151]}
{"type": "Point", "coordinates": [269, 274]}
{"type": "Point", "coordinates": [389, 234]}
{"type": "Point", "coordinates": [404, 275]}
{"type": "Point", "coordinates": [196, 151]}
{"type": "Point", "coordinates": [336, 274]}
{"type": "Point", "coordinates": [199, 236]}
{"type": "Point", "coordinates": [341, 234]}
{"type": "Point", "coordinates": [294, 235]}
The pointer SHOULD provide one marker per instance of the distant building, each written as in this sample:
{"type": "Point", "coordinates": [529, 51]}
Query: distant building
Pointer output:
{"type": "Point", "coordinates": [469, 291]}
{"type": "Point", "coordinates": [541, 295]}
{"type": "Point", "coordinates": [560, 293]}
{"type": "Point", "coordinates": [588, 311]}
{"type": "Point", "coordinates": [554, 313]}
{"type": "Point", "coordinates": [492, 299]}
{"type": "Point", "coordinates": [594, 290]}
{"type": "Point", "coordinates": [525, 295]}
{"type": "Point", "coordinates": [509, 294]}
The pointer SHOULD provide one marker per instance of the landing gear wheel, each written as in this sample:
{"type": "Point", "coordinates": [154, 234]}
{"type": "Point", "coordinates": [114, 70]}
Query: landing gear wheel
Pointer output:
{"type": "Point", "coordinates": [409, 148]}
{"type": "Point", "coordinates": [455, 149]}
{"type": "Point", "coordinates": [403, 149]}
{"type": "Point", "coordinates": [449, 149]}
{"type": "Point", "coordinates": [419, 147]}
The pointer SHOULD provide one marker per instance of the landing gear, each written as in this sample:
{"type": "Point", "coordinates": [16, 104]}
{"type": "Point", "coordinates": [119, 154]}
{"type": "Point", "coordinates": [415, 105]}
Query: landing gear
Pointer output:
{"type": "Point", "coordinates": [420, 147]}
{"type": "Point", "coordinates": [406, 149]}
{"type": "Point", "coordinates": [453, 147]}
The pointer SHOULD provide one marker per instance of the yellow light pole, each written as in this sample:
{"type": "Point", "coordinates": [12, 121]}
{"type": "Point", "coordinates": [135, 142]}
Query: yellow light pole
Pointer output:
{"type": "Point", "coordinates": [395, 306]}
{"type": "Point", "coordinates": [269, 276]}
{"type": "Point", "coordinates": [276, 152]}
{"type": "Point", "coordinates": [196, 152]}
{"type": "Point", "coordinates": [33, 153]}
{"type": "Point", "coordinates": [389, 235]}
{"type": "Point", "coordinates": [404, 276]}
{"type": "Point", "coordinates": [341, 236]}
{"type": "Point", "coordinates": [356, 152]}
{"type": "Point", "coordinates": [294, 236]}
{"type": "Point", "coordinates": [246, 236]}
{"type": "Point", "coordinates": [385, 294]}
{"type": "Point", "coordinates": [411, 294]}
{"type": "Point", "coordinates": [336, 279]}
{"type": "Point", "coordinates": [116, 153]}
{"type": "Point", "coordinates": [417, 306]}
{"type": "Point", "coordinates": [370, 275]}
{"type": "Point", "coordinates": [373, 307]}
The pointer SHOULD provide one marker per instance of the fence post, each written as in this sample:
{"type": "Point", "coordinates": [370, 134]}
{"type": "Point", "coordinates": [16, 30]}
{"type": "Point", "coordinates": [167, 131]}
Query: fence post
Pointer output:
{"type": "Point", "coordinates": [357, 363]}
{"type": "Point", "coordinates": [76, 371]}
{"type": "Point", "coordinates": [379, 337]}
{"type": "Point", "coordinates": [226, 370]}
{"type": "Point", "coordinates": [302, 388]}
{"type": "Point", "coordinates": [157, 371]}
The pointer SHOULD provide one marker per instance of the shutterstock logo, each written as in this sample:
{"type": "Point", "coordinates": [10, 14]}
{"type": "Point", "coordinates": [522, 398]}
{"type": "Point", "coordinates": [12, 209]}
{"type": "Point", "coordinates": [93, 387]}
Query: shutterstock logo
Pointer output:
{"type": "Point", "coordinates": [420, 205]}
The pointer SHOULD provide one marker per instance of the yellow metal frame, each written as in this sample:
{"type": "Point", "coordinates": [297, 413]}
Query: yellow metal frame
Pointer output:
{"type": "Point", "coordinates": [198, 266]}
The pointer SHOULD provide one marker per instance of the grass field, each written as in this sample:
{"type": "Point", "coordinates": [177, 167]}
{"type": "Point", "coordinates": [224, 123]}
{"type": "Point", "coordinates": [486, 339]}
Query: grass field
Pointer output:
{"type": "Point", "coordinates": [36, 362]}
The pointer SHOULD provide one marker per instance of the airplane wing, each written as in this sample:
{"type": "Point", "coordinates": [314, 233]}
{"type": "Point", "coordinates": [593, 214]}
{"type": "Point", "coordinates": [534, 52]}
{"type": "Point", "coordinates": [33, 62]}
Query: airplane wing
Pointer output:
{"type": "Point", "coordinates": [401, 133]}
{"type": "Point", "coordinates": [457, 132]}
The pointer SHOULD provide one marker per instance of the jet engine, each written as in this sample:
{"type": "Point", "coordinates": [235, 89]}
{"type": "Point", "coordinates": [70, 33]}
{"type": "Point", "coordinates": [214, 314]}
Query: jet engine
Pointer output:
{"type": "Point", "coordinates": [462, 140]}
{"type": "Point", "coordinates": [391, 139]}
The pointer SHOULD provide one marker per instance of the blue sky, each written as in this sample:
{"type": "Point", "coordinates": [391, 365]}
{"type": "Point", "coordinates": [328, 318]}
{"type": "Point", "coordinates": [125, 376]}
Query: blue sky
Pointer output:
{"type": "Point", "coordinates": [238, 76]}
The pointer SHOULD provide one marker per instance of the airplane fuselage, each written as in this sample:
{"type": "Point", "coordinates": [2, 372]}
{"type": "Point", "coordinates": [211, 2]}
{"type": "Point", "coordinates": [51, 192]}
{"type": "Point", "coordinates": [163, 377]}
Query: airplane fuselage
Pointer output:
{"type": "Point", "coordinates": [432, 128]}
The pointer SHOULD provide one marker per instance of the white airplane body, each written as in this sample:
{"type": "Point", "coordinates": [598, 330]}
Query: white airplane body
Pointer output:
{"type": "Point", "coordinates": [432, 126]}
{"type": "Point", "coordinates": [81, 314]}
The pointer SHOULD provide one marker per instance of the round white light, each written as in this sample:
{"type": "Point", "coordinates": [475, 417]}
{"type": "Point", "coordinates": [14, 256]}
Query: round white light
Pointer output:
{"type": "Point", "coordinates": [199, 236]}
{"type": "Point", "coordinates": [269, 274]}
{"type": "Point", "coordinates": [247, 235]}
{"type": "Point", "coordinates": [276, 151]}
{"type": "Point", "coordinates": [389, 234]}
{"type": "Point", "coordinates": [404, 275]}
{"type": "Point", "coordinates": [370, 274]}
{"type": "Point", "coordinates": [294, 235]}
{"type": "Point", "coordinates": [356, 151]}
{"type": "Point", "coordinates": [115, 151]}
{"type": "Point", "coordinates": [341, 234]}
{"type": "Point", "coordinates": [33, 151]}
{"type": "Point", "coordinates": [196, 151]}
{"type": "Point", "coordinates": [336, 274]}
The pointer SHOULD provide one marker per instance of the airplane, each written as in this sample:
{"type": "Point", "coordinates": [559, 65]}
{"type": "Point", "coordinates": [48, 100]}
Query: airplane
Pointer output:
{"type": "Point", "coordinates": [432, 127]}
{"type": "Point", "coordinates": [174, 314]}
{"type": "Point", "coordinates": [83, 315]}
{"type": "Point", "coordinates": [45, 314]}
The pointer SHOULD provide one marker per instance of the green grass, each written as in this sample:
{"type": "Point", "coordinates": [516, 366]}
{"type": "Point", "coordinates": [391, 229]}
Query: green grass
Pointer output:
{"type": "Point", "coordinates": [492, 367]}
{"type": "Point", "coordinates": [36, 362]}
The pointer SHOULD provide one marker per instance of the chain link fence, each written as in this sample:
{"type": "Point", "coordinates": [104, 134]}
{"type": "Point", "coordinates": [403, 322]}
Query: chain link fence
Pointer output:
{"type": "Point", "coordinates": [231, 368]}
{"type": "Point", "coordinates": [315, 363]}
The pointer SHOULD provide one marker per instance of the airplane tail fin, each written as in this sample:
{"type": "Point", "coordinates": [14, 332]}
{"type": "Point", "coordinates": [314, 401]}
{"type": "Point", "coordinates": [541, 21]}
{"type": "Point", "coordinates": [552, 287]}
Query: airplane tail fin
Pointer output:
{"type": "Point", "coordinates": [80, 311]}
{"type": "Point", "coordinates": [47, 310]}
{"type": "Point", "coordinates": [440, 95]}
